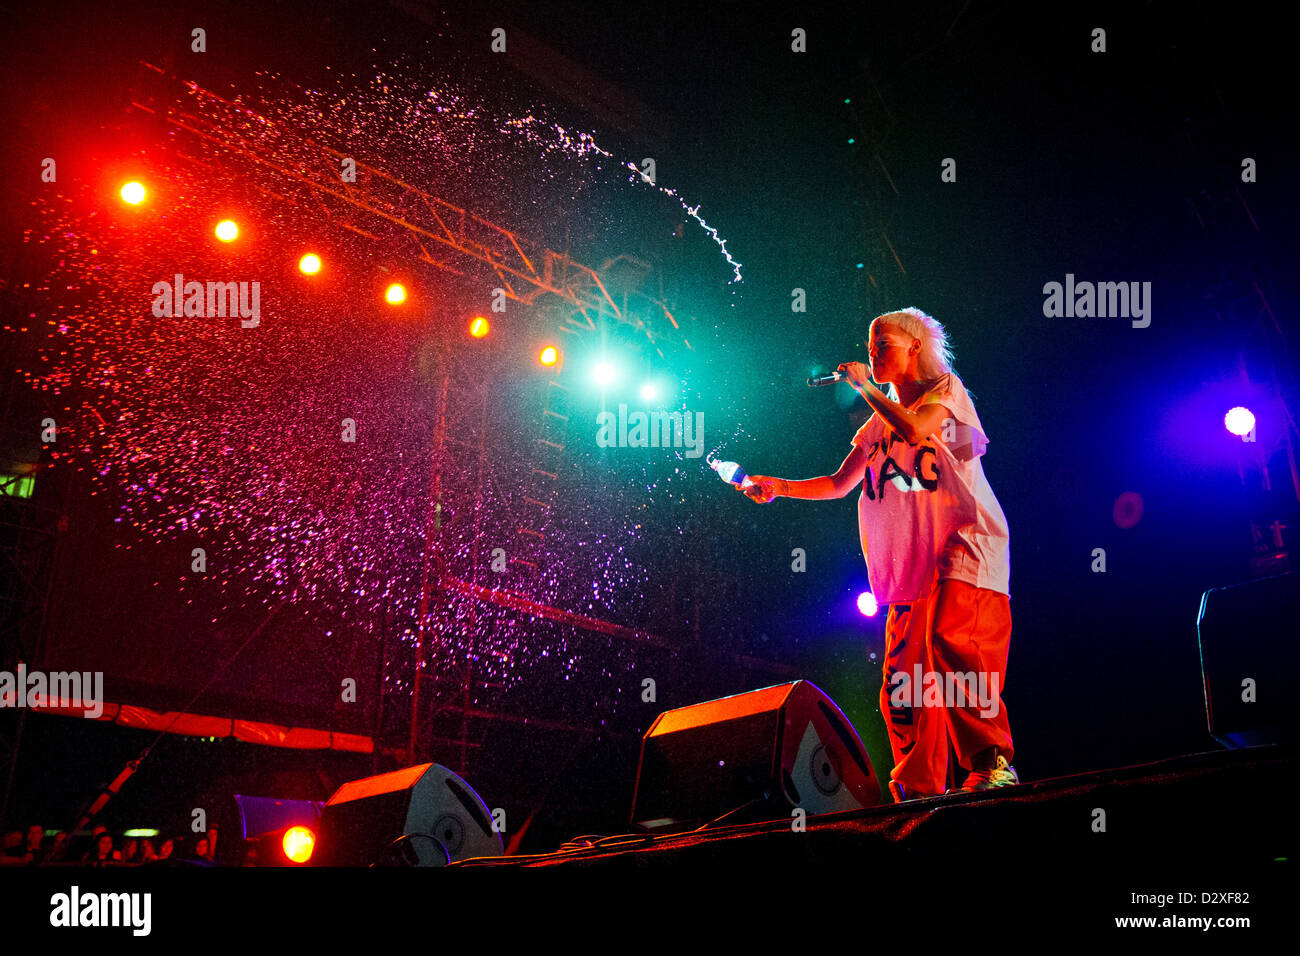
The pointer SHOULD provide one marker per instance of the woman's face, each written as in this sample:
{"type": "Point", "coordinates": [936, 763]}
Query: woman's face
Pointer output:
{"type": "Point", "coordinates": [889, 348]}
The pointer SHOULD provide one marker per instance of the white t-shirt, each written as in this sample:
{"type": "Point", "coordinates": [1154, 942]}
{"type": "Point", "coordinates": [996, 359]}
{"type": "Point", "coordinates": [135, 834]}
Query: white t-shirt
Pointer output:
{"type": "Point", "coordinates": [929, 505]}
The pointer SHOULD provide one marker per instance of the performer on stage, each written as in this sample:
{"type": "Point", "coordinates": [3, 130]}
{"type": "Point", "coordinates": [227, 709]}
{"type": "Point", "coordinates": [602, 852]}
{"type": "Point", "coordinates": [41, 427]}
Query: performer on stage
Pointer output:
{"type": "Point", "coordinates": [936, 545]}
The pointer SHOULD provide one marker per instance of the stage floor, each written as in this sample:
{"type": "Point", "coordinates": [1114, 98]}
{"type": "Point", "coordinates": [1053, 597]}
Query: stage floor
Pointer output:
{"type": "Point", "coordinates": [1225, 809]}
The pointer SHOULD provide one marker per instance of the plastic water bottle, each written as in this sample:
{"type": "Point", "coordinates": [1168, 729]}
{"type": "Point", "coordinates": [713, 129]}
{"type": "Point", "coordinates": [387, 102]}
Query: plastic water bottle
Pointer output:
{"type": "Point", "coordinates": [729, 472]}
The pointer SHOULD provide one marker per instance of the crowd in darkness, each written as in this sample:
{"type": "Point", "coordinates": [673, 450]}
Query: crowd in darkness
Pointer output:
{"type": "Point", "coordinates": [35, 846]}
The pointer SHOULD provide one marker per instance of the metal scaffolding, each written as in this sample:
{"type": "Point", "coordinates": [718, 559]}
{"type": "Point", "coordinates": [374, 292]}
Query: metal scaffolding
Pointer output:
{"type": "Point", "coordinates": [33, 508]}
{"type": "Point", "coordinates": [293, 168]}
{"type": "Point", "coordinates": [310, 171]}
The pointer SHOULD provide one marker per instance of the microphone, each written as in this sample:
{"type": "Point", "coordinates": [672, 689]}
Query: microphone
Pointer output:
{"type": "Point", "coordinates": [830, 379]}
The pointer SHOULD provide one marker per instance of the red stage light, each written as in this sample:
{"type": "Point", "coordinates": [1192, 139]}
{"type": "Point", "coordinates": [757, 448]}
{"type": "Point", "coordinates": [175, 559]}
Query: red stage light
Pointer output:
{"type": "Point", "coordinates": [549, 356]}
{"type": "Point", "coordinates": [227, 231]}
{"type": "Point", "coordinates": [309, 264]}
{"type": "Point", "coordinates": [298, 843]}
{"type": "Point", "coordinates": [478, 327]}
{"type": "Point", "coordinates": [133, 193]}
{"type": "Point", "coordinates": [396, 294]}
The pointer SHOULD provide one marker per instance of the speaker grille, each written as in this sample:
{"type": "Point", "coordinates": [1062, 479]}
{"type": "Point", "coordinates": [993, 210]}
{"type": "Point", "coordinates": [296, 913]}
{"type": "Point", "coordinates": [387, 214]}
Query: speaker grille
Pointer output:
{"type": "Point", "coordinates": [449, 831]}
{"type": "Point", "coordinates": [824, 768]}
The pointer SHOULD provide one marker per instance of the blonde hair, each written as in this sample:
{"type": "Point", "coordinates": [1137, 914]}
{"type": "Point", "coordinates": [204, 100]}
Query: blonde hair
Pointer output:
{"type": "Point", "coordinates": [936, 356]}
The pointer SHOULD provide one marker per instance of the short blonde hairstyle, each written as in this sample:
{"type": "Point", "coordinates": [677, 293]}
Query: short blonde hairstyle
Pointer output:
{"type": "Point", "coordinates": [936, 356]}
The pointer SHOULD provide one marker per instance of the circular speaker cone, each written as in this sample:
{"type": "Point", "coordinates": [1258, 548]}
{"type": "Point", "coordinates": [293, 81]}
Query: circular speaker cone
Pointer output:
{"type": "Point", "coordinates": [824, 767]}
{"type": "Point", "coordinates": [414, 849]}
{"type": "Point", "coordinates": [450, 832]}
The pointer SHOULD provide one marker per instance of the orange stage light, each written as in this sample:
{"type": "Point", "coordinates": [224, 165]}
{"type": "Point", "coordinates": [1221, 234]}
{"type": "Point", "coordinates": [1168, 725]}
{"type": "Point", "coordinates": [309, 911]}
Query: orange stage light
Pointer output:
{"type": "Point", "coordinates": [227, 231]}
{"type": "Point", "coordinates": [396, 294]}
{"type": "Point", "coordinates": [298, 843]}
{"type": "Point", "coordinates": [478, 327]}
{"type": "Point", "coordinates": [549, 355]}
{"type": "Point", "coordinates": [309, 264]}
{"type": "Point", "coordinates": [133, 193]}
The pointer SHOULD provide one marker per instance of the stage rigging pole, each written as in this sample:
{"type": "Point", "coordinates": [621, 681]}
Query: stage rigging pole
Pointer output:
{"type": "Point", "coordinates": [432, 527]}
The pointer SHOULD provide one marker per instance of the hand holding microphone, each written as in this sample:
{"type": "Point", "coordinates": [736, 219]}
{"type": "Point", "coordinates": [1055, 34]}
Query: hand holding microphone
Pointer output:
{"type": "Point", "coordinates": [761, 488]}
{"type": "Point", "coordinates": [855, 373]}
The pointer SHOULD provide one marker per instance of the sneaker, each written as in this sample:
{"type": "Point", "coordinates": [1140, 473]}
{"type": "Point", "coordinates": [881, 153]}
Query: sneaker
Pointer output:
{"type": "Point", "coordinates": [1001, 775]}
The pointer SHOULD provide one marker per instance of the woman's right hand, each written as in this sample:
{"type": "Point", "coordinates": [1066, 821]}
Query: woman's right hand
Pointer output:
{"type": "Point", "coordinates": [763, 489]}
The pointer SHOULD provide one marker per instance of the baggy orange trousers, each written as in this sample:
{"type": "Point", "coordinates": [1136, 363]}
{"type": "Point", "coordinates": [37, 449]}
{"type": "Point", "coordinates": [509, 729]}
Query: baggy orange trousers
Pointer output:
{"type": "Point", "coordinates": [957, 629]}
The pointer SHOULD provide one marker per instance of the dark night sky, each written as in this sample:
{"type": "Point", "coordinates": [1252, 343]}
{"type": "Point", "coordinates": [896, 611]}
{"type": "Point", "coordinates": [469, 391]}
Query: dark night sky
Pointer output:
{"type": "Point", "coordinates": [1068, 162]}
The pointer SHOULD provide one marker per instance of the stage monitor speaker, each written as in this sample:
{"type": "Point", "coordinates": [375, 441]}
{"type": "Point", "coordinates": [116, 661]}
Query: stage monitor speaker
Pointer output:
{"type": "Point", "coordinates": [1248, 659]}
{"type": "Point", "coordinates": [419, 816]}
{"type": "Point", "coordinates": [757, 755]}
{"type": "Point", "coordinates": [258, 815]}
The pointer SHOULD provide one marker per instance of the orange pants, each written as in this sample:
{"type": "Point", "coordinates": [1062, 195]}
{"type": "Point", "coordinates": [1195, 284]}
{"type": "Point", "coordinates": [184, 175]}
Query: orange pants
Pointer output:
{"type": "Point", "coordinates": [958, 629]}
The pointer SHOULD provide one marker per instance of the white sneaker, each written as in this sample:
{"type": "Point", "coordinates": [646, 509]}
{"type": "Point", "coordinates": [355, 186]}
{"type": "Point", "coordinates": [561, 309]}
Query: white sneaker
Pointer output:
{"type": "Point", "coordinates": [1001, 775]}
